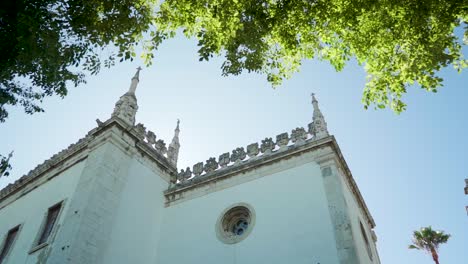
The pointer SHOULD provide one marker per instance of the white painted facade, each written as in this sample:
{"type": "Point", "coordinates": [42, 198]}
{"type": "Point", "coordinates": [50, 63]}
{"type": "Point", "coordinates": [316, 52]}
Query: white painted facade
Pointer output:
{"type": "Point", "coordinates": [124, 202]}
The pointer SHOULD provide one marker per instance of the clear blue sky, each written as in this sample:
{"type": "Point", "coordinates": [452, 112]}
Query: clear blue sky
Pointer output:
{"type": "Point", "coordinates": [410, 168]}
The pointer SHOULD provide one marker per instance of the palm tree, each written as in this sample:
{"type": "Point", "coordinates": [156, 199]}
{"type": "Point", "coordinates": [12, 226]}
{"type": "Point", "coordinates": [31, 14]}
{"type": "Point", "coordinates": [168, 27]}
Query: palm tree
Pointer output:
{"type": "Point", "coordinates": [429, 240]}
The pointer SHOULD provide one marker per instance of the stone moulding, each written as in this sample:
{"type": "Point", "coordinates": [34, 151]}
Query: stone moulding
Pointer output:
{"type": "Point", "coordinates": [45, 166]}
{"type": "Point", "coordinates": [239, 155]}
{"type": "Point", "coordinates": [194, 182]}
{"type": "Point", "coordinates": [79, 146]}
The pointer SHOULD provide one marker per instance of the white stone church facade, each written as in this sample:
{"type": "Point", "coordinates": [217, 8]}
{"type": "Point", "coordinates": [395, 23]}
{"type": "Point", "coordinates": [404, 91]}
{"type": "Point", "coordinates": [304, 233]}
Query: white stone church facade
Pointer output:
{"type": "Point", "coordinates": [116, 197]}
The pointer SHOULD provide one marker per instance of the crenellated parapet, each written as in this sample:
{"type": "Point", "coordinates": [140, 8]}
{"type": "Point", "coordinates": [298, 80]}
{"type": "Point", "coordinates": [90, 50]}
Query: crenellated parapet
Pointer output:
{"type": "Point", "coordinates": [157, 148]}
{"type": "Point", "coordinates": [150, 138]}
{"type": "Point", "coordinates": [241, 155]}
{"type": "Point", "coordinates": [48, 164]}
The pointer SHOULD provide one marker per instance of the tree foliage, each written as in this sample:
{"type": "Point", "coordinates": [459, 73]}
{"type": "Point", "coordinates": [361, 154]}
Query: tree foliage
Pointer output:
{"type": "Point", "coordinates": [429, 240]}
{"type": "Point", "coordinates": [5, 165]}
{"type": "Point", "coordinates": [399, 43]}
{"type": "Point", "coordinates": [47, 44]}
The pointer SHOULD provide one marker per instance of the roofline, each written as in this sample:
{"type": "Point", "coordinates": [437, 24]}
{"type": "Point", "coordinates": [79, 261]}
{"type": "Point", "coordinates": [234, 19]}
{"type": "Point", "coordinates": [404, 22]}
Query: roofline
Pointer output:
{"type": "Point", "coordinates": [351, 180]}
{"type": "Point", "coordinates": [252, 163]}
{"type": "Point", "coordinates": [75, 149]}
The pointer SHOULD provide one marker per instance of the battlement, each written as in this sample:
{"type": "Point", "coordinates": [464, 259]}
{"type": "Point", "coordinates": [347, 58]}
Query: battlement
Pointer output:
{"type": "Point", "coordinates": [241, 155]}
{"type": "Point", "coordinates": [144, 140]}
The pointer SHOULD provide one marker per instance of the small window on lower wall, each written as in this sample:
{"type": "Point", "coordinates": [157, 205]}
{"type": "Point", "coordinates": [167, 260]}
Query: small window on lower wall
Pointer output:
{"type": "Point", "coordinates": [366, 240]}
{"type": "Point", "coordinates": [47, 227]}
{"type": "Point", "coordinates": [7, 243]}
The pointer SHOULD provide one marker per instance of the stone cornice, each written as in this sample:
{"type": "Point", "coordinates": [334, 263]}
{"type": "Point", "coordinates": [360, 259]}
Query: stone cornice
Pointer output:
{"type": "Point", "coordinates": [245, 166]}
{"type": "Point", "coordinates": [290, 151]}
{"type": "Point", "coordinates": [45, 167]}
{"type": "Point", "coordinates": [54, 164]}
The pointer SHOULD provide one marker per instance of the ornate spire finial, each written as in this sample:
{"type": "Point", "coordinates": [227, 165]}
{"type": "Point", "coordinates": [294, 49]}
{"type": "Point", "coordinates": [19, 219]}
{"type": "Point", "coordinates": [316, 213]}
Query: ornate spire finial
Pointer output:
{"type": "Point", "coordinates": [173, 152]}
{"type": "Point", "coordinates": [137, 74]}
{"type": "Point", "coordinates": [319, 125]}
{"type": "Point", "coordinates": [313, 98]}
{"type": "Point", "coordinates": [135, 81]}
{"type": "Point", "coordinates": [127, 106]}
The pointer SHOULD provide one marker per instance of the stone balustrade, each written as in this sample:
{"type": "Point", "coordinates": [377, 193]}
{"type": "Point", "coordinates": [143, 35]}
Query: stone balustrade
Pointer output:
{"type": "Point", "coordinates": [240, 155]}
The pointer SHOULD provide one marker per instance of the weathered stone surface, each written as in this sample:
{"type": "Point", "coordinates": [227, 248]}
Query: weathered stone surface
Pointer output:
{"type": "Point", "coordinates": [298, 135]}
{"type": "Point", "coordinates": [198, 169]}
{"type": "Point", "coordinates": [319, 125]}
{"type": "Point", "coordinates": [173, 151]}
{"type": "Point", "coordinates": [224, 159]}
{"type": "Point", "coordinates": [238, 154]}
{"type": "Point", "coordinates": [267, 145]}
{"type": "Point", "coordinates": [151, 137]}
{"type": "Point", "coordinates": [141, 130]}
{"type": "Point", "coordinates": [127, 107]}
{"type": "Point", "coordinates": [184, 175]}
{"type": "Point", "coordinates": [160, 146]}
{"type": "Point", "coordinates": [282, 139]}
{"type": "Point", "coordinates": [211, 165]}
{"type": "Point", "coordinates": [252, 150]}
{"type": "Point", "coordinates": [311, 128]}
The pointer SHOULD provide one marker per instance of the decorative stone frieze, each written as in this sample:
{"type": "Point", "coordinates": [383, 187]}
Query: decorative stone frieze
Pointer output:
{"type": "Point", "coordinates": [224, 159]}
{"type": "Point", "coordinates": [238, 154]}
{"type": "Point", "coordinates": [141, 130]}
{"type": "Point", "coordinates": [298, 135]}
{"type": "Point", "coordinates": [151, 137]}
{"type": "Point", "coordinates": [252, 150]}
{"type": "Point", "coordinates": [198, 169]}
{"type": "Point", "coordinates": [282, 140]}
{"type": "Point", "coordinates": [160, 146]}
{"type": "Point", "coordinates": [124, 115]}
{"type": "Point", "coordinates": [46, 165]}
{"type": "Point", "coordinates": [184, 175]}
{"type": "Point", "coordinates": [211, 165]}
{"type": "Point", "coordinates": [267, 145]}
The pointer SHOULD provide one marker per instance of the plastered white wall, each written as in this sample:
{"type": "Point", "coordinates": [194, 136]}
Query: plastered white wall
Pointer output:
{"type": "Point", "coordinates": [292, 223]}
{"type": "Point", "coordinates": [136, 230]}
{"type": "Point", "coordinates": [356, 215]}
{"type": "Point", "coordinates": [29, 211]}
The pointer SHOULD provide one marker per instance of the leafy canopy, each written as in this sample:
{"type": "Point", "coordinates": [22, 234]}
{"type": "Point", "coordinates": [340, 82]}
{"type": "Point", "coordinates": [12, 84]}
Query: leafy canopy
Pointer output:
{"type": "Point", "coordinates": [399, 43]}
{"type": "Point", "coordinates": [5, 165]}
{"type": "Point", "coordinates": [428, 239]}
{"type": "Point", "coordinates": [47, 44]}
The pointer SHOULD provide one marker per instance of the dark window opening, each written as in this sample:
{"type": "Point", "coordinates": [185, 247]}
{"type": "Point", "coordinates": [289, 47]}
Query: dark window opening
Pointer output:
{"type": "Point", "coordinates": [49, 223]}
{"type": "Point", "coordinates": [366, 240]}
{"type": "Point", "coordinates": [10, 238]}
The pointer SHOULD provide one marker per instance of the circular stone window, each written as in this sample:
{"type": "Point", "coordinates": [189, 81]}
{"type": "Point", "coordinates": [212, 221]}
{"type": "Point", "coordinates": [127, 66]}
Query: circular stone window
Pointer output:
{"type": "Point", "coordinates": [235, 223]}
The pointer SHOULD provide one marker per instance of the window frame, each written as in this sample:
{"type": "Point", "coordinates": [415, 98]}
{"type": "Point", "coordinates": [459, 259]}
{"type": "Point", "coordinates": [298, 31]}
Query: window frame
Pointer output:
{"type": "Point", "coordinates": [4, 240]}
{"type": "Point", "coordinates": [367, 241]}
{"type": "Point", "coordinates": [36, 245]}
{"type": "Point", "coordinates": [228, 237]}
